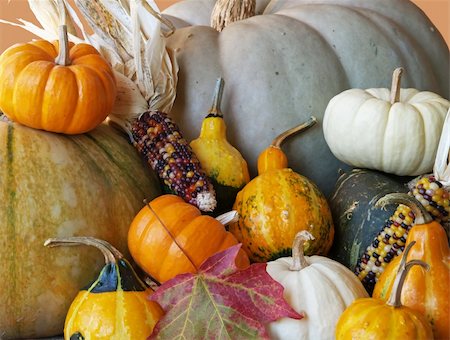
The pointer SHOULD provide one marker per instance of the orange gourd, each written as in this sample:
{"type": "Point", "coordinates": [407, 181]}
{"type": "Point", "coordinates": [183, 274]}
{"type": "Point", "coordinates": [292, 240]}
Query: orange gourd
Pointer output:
{"type": "Point", "coordinates": [375, 319]}
{"type": "Point", "coordinates": [170, 237]}
{"type": "Point", "coordinates": [427, 292]}
{"type": "Point", "coordinates": [71, 92]}
{"type": "Point", "coordinates": [277, 204]}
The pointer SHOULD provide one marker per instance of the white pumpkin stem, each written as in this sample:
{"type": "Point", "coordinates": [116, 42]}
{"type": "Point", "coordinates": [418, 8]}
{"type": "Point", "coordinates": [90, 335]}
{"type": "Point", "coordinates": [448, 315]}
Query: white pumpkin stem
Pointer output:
{"type": "Point", "coordinates": [403, 269]}
{"type": "Point", "coordinates": [299, 128]}
{"type": "Point", "coordinates": [422, 216]}
{"type": "Point", "coordinates": [227, 11]}
{"type": "Point", "coordinates": [298, 256]}
{"type": "Point", "coordinates": [228, 217]}
{"type": "Point", "coordinates": [217, 99]}
{"type": "Point", "coordinates": [110, 253]}
{"type": "Point", "coordinates": [396, 81]}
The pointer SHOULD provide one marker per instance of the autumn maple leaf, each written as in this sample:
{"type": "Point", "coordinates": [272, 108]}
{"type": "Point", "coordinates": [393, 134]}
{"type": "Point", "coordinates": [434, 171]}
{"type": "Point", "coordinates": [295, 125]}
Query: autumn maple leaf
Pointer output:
{"type": "Point", "coordinates": [220, 301]}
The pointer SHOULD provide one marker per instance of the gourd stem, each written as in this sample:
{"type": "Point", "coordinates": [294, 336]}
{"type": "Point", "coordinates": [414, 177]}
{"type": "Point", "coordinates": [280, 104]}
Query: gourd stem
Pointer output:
{"type": "Point", "coordinates": [63, 56]}
{"type": "Point", "coordinates": [396, 293]}
{"type": "Point", "coordinates": [298, 256]}
{"type": "Point", "coordinates": [302, 127]}
{"type": "Point", "coordinates": [421, 214]}
{"type": "Point", "coordinates": [228, 217]}
{"type": "Point", "coordinates": [227, 11]}
{"type": "Point", "coordinates": [215, 111]}
{"type": "Point", "coordinates": [395, 88]}
{"type": "Point", "coordinates": [110, 253]}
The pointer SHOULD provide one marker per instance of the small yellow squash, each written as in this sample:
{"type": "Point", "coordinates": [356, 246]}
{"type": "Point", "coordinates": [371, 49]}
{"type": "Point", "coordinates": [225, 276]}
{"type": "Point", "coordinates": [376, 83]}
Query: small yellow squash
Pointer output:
{"type": "Point", "coordinates": [115, 305]}
{"type": "Point", "coordinates": [375, 319]}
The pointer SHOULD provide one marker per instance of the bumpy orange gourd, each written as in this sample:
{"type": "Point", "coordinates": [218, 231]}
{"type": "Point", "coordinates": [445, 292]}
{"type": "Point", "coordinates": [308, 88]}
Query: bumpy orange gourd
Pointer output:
{"type": "Point", "coordinates": [427, 292]}
{"type": "Point", "coordinates": [170, 237]}
{"type": "Point", "coordinates": [375, 319]}
{"type": "Point", "coordinates": [279, 203]}
{"type": "Point", "coordinates": [70, 92]}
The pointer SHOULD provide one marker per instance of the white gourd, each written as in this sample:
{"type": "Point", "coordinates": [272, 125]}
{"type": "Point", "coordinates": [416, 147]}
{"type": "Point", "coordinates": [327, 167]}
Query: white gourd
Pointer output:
{"type": "Point", "coordinates": [315, 286]}
{"type": "Point", "coordinates": [395, 131]}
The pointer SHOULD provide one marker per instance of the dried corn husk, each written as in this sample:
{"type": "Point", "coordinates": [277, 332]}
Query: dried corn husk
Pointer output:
{"type": "Point", "coordinates": [441, 168]}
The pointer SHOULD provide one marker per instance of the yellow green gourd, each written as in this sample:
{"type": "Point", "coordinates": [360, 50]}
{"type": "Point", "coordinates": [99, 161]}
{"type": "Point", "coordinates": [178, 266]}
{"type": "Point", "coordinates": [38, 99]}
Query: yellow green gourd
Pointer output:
{"type": "Point", "coordinates": [222, 162]}
{"type": "Point", "coordinates": [115, 305]}
{"type": "Point", "coordinates": [274, 206]}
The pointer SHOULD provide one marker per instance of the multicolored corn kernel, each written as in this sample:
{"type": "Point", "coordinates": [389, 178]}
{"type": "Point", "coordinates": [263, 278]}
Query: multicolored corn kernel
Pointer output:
{"type": "Point", "coordinates": [159, 140]}
{"type": "Point", "coordinates": [391, 239]}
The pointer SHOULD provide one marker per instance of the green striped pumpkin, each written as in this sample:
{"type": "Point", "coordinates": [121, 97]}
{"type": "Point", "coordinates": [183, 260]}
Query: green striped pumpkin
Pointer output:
{"type": "Point", "coordinates": [56, 186]}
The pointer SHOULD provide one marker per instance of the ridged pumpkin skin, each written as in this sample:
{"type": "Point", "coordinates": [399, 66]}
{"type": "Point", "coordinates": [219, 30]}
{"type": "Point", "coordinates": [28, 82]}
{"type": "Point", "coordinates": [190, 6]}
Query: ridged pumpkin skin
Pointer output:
{"type": "Point", "coordinates": [428, 292]}
{"type": "Point", "coordinates": [273, 207]}
{"type": "Point", "coordinates": [311, 285]}
{"type": "Point", "coordinates": [41, 94]}
{"type": "Point", "coordinates": [287, 63]}
{"type": "Point", "coordinates": [91, 184]}
{"type": "Point", "coordinates": [356, 219]}
{"type": "Point", "coordinates": [370, 318]}
{"type": "Point", "coordinates": [382, 127]}
{"type": "Point", "coordinates": [197, 236]}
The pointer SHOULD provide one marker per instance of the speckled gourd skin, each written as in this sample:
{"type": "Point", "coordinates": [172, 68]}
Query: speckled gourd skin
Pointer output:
{"type": "Point", "coordinates": [282, 68]}
{"type": "Point", "coordinates": [52, 186]}
{"type": "Point", "coordinates": [276, 205]}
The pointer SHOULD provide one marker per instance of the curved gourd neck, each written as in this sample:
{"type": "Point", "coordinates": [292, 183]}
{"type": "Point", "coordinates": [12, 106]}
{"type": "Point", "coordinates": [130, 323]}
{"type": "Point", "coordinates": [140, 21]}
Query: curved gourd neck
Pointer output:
{"type": "Point", "coordinates": [421, 214]}
{"type": "Point", "coordinates": [395, 297]}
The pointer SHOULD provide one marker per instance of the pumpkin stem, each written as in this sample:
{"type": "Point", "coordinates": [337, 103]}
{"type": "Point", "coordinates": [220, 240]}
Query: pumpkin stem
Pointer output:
{"type": "Point", "coordinates": [215, 111]}
{"type": "Point", "coordinates": [396, 293]}
{"type": "Point", "coordinates": [110, 253]}
{"type": "Point", "coordinates": [303, 126]}
{"type": "Point", "coordinates": [227, 11]}
{"type": "Point", "coordinates": [298, 256]}
{"type": "Point", "coordinates": [63, 56]}
{"type": "Point", "coordinates": [395, 88]}
{"type": "Point", "coordinates": [228, 217]}
{"type": "Point", "coordinates": [421, 214]}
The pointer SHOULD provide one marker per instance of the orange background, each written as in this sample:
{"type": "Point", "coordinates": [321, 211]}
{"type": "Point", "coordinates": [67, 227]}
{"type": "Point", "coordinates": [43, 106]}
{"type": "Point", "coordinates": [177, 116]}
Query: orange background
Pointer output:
{"type": "Point", "coordinates": [437, 10]}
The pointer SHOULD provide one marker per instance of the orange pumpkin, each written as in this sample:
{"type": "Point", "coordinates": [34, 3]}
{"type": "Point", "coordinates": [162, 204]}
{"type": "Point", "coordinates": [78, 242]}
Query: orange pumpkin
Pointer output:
{"type": "Point", "coordinates": [427, 292]}
{"type": "Point", "coordinates": [170, 237]}
{"type": "Point", "coordinates": [277, 204]}
{"type": "Point", "coordinates": [71, 92]}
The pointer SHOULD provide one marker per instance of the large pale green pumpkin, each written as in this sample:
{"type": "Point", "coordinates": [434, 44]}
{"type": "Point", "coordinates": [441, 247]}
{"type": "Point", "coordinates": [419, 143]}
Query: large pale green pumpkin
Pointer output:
{"type": "Point", "coordinates": [53, 186]}
{"type": "Point", "coordinates": [285, 64]}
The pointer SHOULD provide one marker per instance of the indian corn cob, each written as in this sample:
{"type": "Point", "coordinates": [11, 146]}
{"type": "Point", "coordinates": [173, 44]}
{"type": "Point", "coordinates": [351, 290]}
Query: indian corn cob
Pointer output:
{"type": "Point", "coordinates": [159, 140]}
{"type": "Point", "coordinates": [390, 241]}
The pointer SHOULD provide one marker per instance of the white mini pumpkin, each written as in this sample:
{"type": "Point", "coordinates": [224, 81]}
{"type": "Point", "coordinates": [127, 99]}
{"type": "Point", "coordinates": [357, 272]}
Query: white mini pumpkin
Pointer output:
{"type": "Point", "coordinates": [393, 131]}
{"type": "Point", "coordinates": [315, 286]}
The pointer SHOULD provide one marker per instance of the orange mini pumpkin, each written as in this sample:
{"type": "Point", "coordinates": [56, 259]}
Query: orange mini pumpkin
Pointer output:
{"type": "Point", "coordinates": [70, 92]}
{"type": "Point", "coordinates": [170, 237]}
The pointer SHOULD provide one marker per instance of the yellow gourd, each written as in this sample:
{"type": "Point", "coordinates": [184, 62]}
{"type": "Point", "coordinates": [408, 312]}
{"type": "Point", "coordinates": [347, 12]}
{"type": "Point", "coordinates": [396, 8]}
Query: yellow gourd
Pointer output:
{"type": "Point", "coordinates": [222, 162]}
{"type": "Point", "coordinates": [115, 305]}
{"type": "Point", "coordinates": [277, 204]}
{"type": "Point", "coordinates": [375, 319]}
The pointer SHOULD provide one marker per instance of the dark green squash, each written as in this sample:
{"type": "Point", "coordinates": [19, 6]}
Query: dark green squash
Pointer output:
{"type": "Point", "coordinates": [355, 217]}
